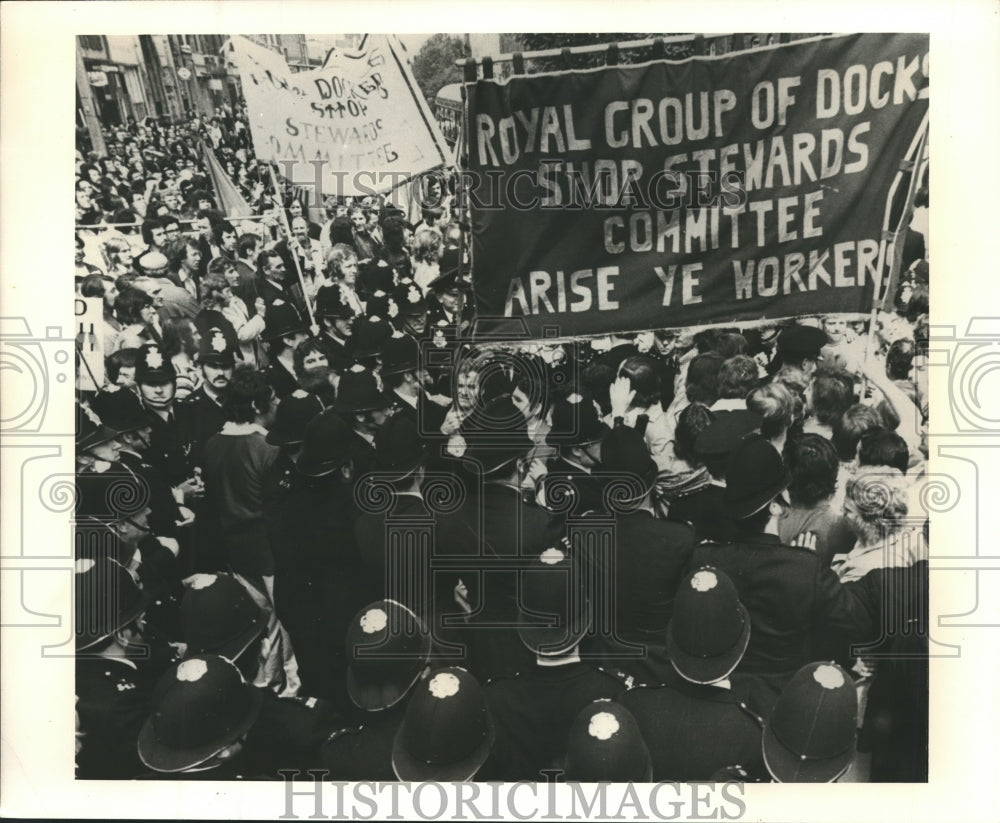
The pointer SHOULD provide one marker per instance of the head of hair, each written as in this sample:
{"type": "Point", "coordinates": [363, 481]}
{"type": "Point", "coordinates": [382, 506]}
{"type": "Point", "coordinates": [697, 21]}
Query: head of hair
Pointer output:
{"type": "Point", "coordinates": [248, 394]}
{"type": "Point", "coordinates": [118, 360]}
{"type": "Point", "coordinates": [737, 377]}
{"type": "Point", "coordinates": [703, 378]}
{"type": "Point", "coordinates": [220, 228]}
{"type": "Point", "coordinates": [129, 305]}
{"type": "Point", "coordinates": [148, 225]}
{"type": "Point", "coordinates": [853, 423]}
{"type": "Point", "coordinates": [178, 337]}
{"type": "Point", "coordinates": [176, 251]}
{"type": "Point", "coordinates": [730, 344]}
{"type": "Point", "coordinates": [220, 265]}
{"type": "Point", "coordinates": [342, 231]}
{"type": "Point", "coordinates": [884, 448]}
{"type": "Point", "coordinates": [832, 394]}
{"type": "Point", "coordinates": [794, 377]}
{"type": "Point", "coordinates": [393, 232]}
{"type": "Point", "coordinates": [694, 419]}
{"type": "Point", "coordinates": [311, 345]}
{"type": "Point", "coordinates": [899, 359]}
{"type": "Point", "coordinates": [776, 405]}
{"type": "Point", "coordinates": [640, 369]}
{"type": "Point", "coordinates": [597, 379]}
{"type": "Point", "coordinates": [212, 286]}
{"type": "Point", "coordinates": [878, 498]}
{"type": "Point", "coordinates": [812, 461]}
{"type": "Point", "coordinates": [431, 215]}
{"type": "Point", "coordinates": [123, 281]}
{"type": "Point", "coordinates": [246, 244]}
{"type": "Point", "coordinates": [112, 247]}
{"type": "Point", "coordinates": [919, 303]}
{"type": "Point", "coordinates": [427, 245]}
{"type": "Point", "coordinates": [339, 255]}
{"type": "Point", "coordinates": [94, 285]}
{"type": "Point", "coordinates": [264, 257]}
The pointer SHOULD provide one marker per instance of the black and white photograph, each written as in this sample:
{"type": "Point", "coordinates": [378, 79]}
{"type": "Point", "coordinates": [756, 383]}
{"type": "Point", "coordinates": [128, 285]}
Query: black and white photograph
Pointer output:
{"type": "Point", "coordinates": [527, 424]}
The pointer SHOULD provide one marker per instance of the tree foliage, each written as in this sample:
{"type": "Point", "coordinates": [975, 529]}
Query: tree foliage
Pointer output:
{"type": "Point", "coordinates": [434, 65]}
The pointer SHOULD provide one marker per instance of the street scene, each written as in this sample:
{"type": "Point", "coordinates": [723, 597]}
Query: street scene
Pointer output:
{"type": "Point", "coordinates": [502, 407]}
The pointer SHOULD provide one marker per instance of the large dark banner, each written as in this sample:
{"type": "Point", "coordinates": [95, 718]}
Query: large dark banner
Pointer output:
{"type": "Point", "coordinates": [742, 187]}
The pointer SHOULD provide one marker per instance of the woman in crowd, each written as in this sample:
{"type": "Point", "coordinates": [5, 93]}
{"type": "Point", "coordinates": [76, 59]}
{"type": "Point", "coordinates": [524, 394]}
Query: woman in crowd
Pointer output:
{"type": "Point", "coordinates": [427, 245]}
{"type": "Point", "coordinates": [134, 310]}
{"type": "Point", "coordinates": [180, 343]}
{"type": "Point", "coordinates": [342, 267]}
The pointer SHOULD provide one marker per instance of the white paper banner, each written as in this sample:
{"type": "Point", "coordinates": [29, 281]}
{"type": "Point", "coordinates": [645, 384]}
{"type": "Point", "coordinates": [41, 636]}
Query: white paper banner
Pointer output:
{"type": "Point", "coordinates": [358, 125]}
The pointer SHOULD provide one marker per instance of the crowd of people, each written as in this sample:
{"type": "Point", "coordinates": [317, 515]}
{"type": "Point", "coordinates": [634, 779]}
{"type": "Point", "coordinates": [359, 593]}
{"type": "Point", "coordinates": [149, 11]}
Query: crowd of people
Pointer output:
{"type": "Point", "coordinates": [321, 525]}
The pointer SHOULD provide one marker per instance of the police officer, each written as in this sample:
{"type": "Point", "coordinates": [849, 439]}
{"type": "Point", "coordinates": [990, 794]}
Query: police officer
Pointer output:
{"type": "Point", "coordinates": [706, 509]}
{"type": "Point", "coordinates": [577, 432]}
{"type": "Point", "coordinates": [791, 597]}
{"type": "Point", "coordinates": [288, 433]}
{"type": "Point", "coordinates": [605, 744]}
{"type": "Point", "coordinates": [799, 347]}
{"type": "Point", "coordinates": [413, 309]}
{"type": "Point", "coordinates": [114, 681]}
{"type": "Point", "coordinates": [811, 734]}
{"type": "Point", "coordinates": [319, 579]}
{"type": "Point", "coordinates": [220, 617]}
{"type": "Point", "coordinates": [388, 647]}
{"type": "Point", "coordinates": [637, 572]}
{"type": "Point", "coordinates": [407, 379]}
{"type": "Point", "coordinates": [121, 410]}
{"type": "Point", "coordinates": [508, 526]}
{"type": "Point", "coordinates": [701, 718]}
{"type": "Point", "coordinates": [203, 407]}
{"type": "Point", "coordinates": [217, 747]}
{"type": "Point", "coordinates": [112, 515]}
{"type": "Point", "coordinates": [450, 314]}
{"type": "Point", "coordinates": [535, 708]}
{"type": "Point", "coordinates": [336, 318]}
{"type": "Point", "coordinates": [399, 539]}
{"type": "Point", "coordinates": [365, 406]}
{"type": "Point", "coordinates": [447, 732]}
{"type": "Point", "coordinates": [371, 332]}
{"type": "Point", "coordinates": [170, 448]}
{"type": "Point", "coordinates": [284, 329]}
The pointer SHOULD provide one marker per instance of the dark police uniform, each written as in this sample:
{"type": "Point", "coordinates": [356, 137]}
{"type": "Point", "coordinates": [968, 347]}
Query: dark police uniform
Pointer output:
{"type": "Point", "coordinates": [509, 527]}
{"type": "Point", "coordinates": [789, 595]}
{"type": "Point", "coordinates": [281, 379]}
{"type": "Point", "coordinates": [586, 492]}
{"type": "Point", "coordinates": [533, 711]}
{"type": "Point", "coordinates": [339, 354]}
{"type": "Point", "coordinates": [707, 512]}
{"type": "Point", "coordinates": [404, 577]}
{"type": "Point", "coordinates": [645, 565]}
{"type": "Point", "coordinates": [692, 730]}
{"type": "Point", "coordinates": [170, 449]}
{"type": "Point", "coordinates": [319, 583]}
{"type": "Point", "coordinates": [113, 703]}
{"type": "Point", "coordinates": [203, 417]}
{"type": "Point", "coordinates": [363, 751]}
{"type": "Point", "coordinates": [164, 512]}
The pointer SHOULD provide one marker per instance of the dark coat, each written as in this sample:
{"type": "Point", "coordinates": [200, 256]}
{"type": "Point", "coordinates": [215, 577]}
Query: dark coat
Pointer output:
{"type": "Point", "coordinates": [791, 597]}
{"type": "Point", "coordinates": [533, 711]}
{"type": "Point", "coordinates": [645, 563]}
{"type": "Point", "coordinates": [693, 730]}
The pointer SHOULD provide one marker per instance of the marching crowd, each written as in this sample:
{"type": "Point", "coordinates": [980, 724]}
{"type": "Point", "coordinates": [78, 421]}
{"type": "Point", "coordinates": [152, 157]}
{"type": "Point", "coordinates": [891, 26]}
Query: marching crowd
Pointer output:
{"type": "Point", "coordinates": [320, 525]}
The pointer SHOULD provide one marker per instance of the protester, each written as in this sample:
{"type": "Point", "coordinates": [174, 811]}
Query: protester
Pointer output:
{"type": "Point", "coordinates": [404, 548]}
